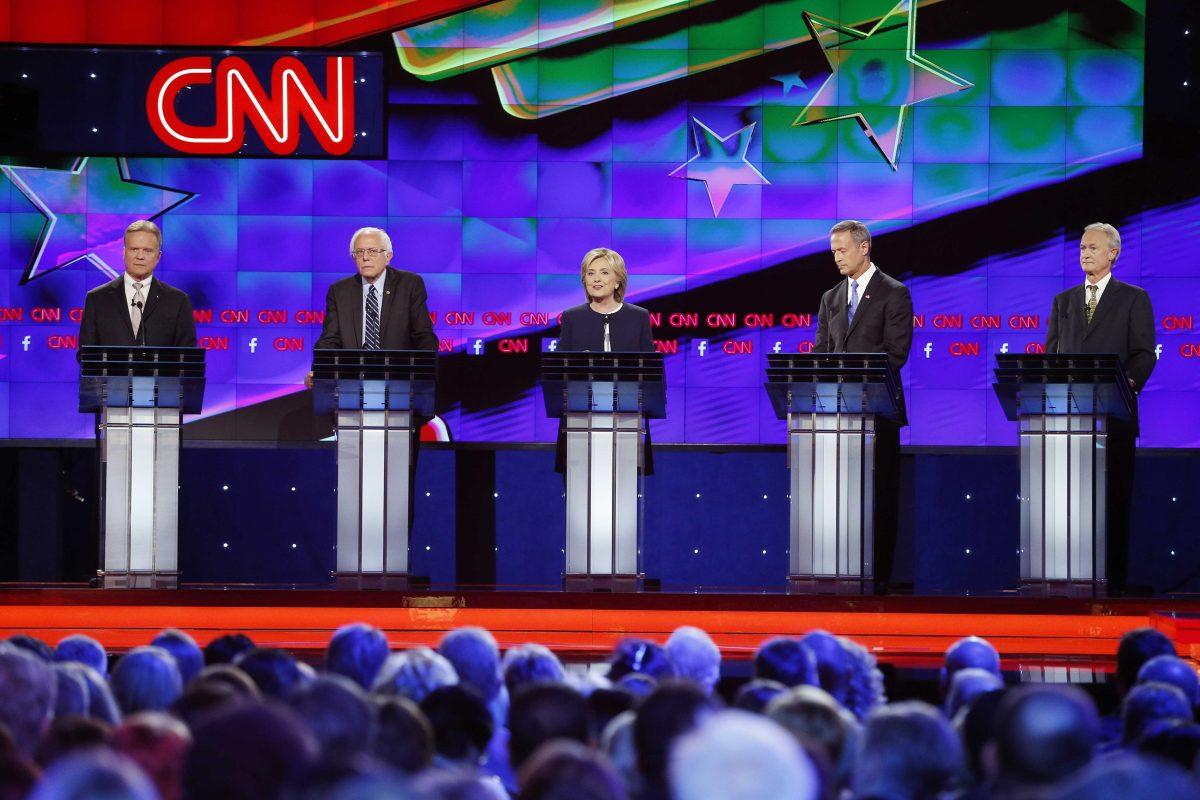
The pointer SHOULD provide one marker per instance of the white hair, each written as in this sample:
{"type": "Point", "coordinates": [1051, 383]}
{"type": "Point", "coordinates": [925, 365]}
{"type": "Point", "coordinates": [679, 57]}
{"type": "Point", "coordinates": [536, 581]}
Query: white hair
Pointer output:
{"type": "Point", "coordinates": [736, 755]}
{"type": "Point", "coordinates": [414, 674]}
{"type": "Point", "coordinates": [695, 656]}
{"type": "Point", "coordinates": [380, 232]}
{"type": "Point", "coordinates": [1114, 236]}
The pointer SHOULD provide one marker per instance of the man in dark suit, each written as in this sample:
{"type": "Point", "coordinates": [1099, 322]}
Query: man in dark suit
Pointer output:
{"type": "Point", "coordinates": [870, 312]}
{"type": "Point", "coordinates": [379, 308]}
{"type": "Point", "coordinates": [137, 308]}
{"type": "Point", "coordinates": [1105, 315]}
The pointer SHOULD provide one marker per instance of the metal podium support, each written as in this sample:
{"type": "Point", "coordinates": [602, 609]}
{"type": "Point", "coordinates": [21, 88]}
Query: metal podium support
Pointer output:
{"type": "Point", "coordinates": [831, 403]}
{"type": "Point", "coordinates": [1064, 405]}
{"type": "Point", "coordinates": [139, 396]}
{"type": "Point", "coordinates": [832, 463]}
{"type": "Point", "coordinates": [604, 461]}
{"type": "Point", "coordinates": [603, 400]}
{"type": "Point", "coordinates": [375, 397]}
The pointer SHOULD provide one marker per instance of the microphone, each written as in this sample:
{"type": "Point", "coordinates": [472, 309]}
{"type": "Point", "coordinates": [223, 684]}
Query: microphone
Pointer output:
{"type": "Point", "coordinates": [141, 331]}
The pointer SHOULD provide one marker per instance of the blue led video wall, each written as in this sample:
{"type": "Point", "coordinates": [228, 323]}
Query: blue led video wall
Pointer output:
{"type": "Point", "coordinates": [711, 144]}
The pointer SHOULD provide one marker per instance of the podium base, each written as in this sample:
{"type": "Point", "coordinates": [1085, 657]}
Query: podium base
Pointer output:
{"type": "Point", "coordinates": [137, 580]}
{"type": "Point", "coordinates": [582, 582]}
{"type": "Point", "coordinates": [809, 584]}
{"type": "Point", "coordinates": [377, 581]}
{"type": "Point", "coordinates": [1077, 589]}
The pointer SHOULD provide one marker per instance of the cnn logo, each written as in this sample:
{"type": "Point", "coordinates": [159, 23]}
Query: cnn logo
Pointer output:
{"type": "Point", "coordinates": [276, 115]}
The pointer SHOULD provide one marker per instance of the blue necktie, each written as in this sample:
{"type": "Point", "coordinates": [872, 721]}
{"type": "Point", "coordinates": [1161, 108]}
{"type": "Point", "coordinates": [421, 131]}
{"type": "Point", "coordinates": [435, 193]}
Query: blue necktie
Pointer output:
{"type": "Point", "coordinates": [853, 302]}
{"type": "Point", "coordinates": [372, 339]}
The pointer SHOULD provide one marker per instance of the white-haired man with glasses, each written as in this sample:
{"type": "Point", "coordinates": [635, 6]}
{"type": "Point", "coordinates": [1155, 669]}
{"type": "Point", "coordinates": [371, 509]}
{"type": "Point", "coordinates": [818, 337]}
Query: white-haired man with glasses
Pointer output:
{"type": "Point", "coordinates": [378, 308]}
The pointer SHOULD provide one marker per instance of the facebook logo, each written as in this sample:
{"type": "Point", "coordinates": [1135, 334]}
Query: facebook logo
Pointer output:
{"type": "Point", "coordinates": [25, 343]}
{"type": "Point", "coordinates": [475, 348]}
{"type": "Point", "coordinates": [549, 345]}
{"type": "Point", "coordinates": [253, 344]}
{"type": "Point", "coordinates": [701, 347]}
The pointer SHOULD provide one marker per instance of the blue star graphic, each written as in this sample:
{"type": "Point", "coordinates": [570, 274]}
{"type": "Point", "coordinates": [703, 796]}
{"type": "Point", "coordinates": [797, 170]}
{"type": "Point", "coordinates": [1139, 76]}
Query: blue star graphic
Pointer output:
{"type": "Point", "coordinates": [790, 81]}
{"type": "Point", "coordinates": [718, 164]}
{"type": "Point", "coordinates": [87, 208]}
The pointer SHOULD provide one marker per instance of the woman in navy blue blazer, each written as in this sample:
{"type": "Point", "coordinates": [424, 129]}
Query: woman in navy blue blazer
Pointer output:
{"type": "Point", "coordinates": [605, 323]}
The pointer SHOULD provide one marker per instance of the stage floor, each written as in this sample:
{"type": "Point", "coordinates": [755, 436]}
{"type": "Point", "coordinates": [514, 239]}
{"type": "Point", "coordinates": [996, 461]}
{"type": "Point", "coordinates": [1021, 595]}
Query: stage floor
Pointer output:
{"type": "Point", "coordinates": [901, 630]}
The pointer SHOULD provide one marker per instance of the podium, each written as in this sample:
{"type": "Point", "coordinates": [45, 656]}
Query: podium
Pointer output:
{"type": "Point", "coordinates": [139, 395]}
{"type": "Point", "coordinates": [832, 403]}
{"type": "Point", "coordinates": [1066, 406]}
{"type": "Point", "coordinates": [375, 397]}
{"type": "Point", "coordinates": [603, 400]}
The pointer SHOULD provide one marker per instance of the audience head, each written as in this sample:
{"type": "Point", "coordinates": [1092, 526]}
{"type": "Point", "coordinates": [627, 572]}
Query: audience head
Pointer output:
{"type": "Point", "coordinates": [18, 774]}
{"type": "Point", "coordinates": [146, 679]}
{"type": "Point", "coordinates": [32, 645]}
{"type": "Point", "coordinates": [83, 649]}
{"type": "Point", "coordinates": [542, 712]}
{"type": "Point", "coordinates": [975, 727]}
{"type": "Point", "coordinates": [566, 770]}
{"type": "Point", "coordinates": [1175, 671]}
{"type": "Point", "coordinates": [414, 674]}
{"type": "Point", "coordinates": [1172, 740]}
{"type": "Point", "coordinates": [786, 660]}
{"type": "Point", "coordinates": [94, 775]}
{"type": "Point", "coordinates": [971, 652]}
{"type": "Point", "coordinates": [157, 743]}
{"type": "Point", "coordinates": [102, 705]}
{"type": "Point", "coordinates": [475, 656]}
{"type": "Point", "coordinates": [736, 755]}
{"type": "Point", "coordinates": [864, 687]}
{"type": "Point", "coordinates": [462, 724]}
{"type": "Point", "coordinates": [757, 694]}
{"type": "Point", "coordinates": [247, 752]}
{"type": "Point", "coordinates": [670, 711]}
{"type": "Point", "coordinates": [1136, 648]}
{"type": "Point", "coordinates": [695, 657]}
{"type": "Point", "coordinates": [183, 648]}
{"type": "Point", "coordinates": [71, 691]}
{"type": "Point", "coordinates": [617, 743]}
{"type": "Point", "coordinates": [814, 719]}
{"type": "Point", "coordinates": [1044, 734]}
{"type": "Point", "coordinates": [638, 685]}
{"type": "Point", "coordinates": [68, 735]}
{"type": "Point", "coordinates": [640, 657]}
{"type": "Point", "coordinates": [28, 691]}
{"type": "Point", "coordinates": [274, 672]}
{"type": "Point", "coordinates": [403, 737]}
{"type": "Point", "coordinates": [1128, 776]}
{"type": "Point", "coordinates": [1148, 703]}
{"type": "Point", "coordinates": [966, 685]}
{"type": "Point", "coordinates": [530, 664]}
{"type": "Point", "coordinates": [357, 651]}
{"type": "Point", "coordinates": [338, 715]}
{"type": "Point", "coordinates": [230, 676]}
{"type": "Point", "coordinates": [604, 705]}
{"type": "Point", "coordinates": [909, 751]}
{"type": "Point", "coordinates": [225, 649]}
{"type": "Point", "coordinates": [832, 662]}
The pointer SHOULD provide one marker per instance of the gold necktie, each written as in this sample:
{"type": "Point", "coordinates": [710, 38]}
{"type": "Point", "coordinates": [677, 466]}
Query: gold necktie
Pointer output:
{"type": "Point", "coordinates": [1091, 303]}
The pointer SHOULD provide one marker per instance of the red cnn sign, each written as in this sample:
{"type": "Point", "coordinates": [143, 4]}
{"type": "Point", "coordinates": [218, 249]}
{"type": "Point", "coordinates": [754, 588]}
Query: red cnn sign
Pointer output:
{"type": "Point", "coordinates": [240, 96]}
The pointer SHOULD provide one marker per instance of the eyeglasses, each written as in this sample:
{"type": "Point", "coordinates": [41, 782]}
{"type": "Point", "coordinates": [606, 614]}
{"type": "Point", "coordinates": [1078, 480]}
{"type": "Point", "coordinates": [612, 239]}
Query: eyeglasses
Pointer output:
{"type": "Point", "coordinates": [370, 251]}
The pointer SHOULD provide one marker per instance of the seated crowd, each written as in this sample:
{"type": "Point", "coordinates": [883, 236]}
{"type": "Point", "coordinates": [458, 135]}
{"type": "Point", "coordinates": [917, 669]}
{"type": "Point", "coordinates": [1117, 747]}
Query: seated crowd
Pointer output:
{"type": "Point", "coordinates": [464, 722]}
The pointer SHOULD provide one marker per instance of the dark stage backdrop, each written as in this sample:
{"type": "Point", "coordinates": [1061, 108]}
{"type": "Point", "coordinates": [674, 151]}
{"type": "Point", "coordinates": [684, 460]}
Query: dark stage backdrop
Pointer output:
{"type": "Point", "coordinates": [712, 144]}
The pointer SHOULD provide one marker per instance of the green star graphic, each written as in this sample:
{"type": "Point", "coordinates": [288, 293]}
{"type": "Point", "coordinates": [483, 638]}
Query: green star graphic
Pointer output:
{"type": "Point", "coordinates": [880, 80]}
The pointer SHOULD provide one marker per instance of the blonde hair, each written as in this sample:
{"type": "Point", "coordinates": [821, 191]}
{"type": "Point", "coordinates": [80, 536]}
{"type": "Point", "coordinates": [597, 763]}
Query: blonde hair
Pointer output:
{"type": "Point", "coordinates": [615, 261]}
{"type": "Point", "coordinates": [146, 226]}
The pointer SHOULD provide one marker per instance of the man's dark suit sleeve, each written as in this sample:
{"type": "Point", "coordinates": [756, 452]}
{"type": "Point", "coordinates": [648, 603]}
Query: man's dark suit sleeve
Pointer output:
{"type": "Point", "coordinates": [423, 337]}
{"type": "Point", "coordinates": [88, 332]}
{"type": "Point", "coordinates": [898, 327]}
{"type": "Point", "coordinates": [185, 323]}
{"type": "Point", "coordinates": [330, 338]}
{"type": "Point", "coordinates": [1141, 341]}
{"type": "Point", "coordinates": [1052, 331]}
{"type": "Point", "coordinates": [821, 344]}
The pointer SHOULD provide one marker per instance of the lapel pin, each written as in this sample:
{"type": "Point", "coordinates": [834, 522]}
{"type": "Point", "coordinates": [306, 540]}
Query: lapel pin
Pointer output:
{"type": "Point", "coordinates": [866, 297]}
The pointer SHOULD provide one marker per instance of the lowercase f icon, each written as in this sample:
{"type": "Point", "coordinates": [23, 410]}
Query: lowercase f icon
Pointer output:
{"type": "Point", "coordinates": [253, 344]}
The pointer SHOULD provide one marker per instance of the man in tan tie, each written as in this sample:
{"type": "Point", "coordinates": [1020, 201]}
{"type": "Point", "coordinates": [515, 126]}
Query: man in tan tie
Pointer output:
{"type": "Point", "coordinates": [1105, 315]}
{"type": "Point", "coordinates": [137, 308]}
